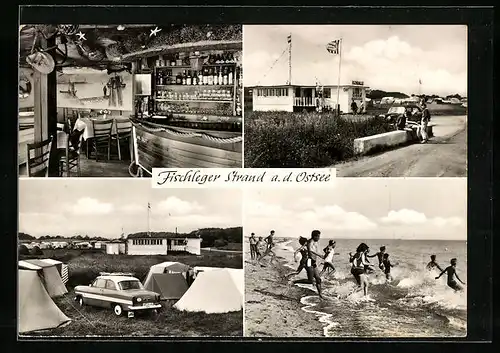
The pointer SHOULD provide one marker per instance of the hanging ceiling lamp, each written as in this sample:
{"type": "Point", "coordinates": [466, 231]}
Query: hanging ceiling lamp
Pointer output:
{"type": "Point", "coordinates": [120, 27]}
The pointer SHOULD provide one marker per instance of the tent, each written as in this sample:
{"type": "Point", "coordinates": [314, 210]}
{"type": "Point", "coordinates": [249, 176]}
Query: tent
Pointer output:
{"type": "Point", "coordinates": [61, 267]}
{"type": "Point", "coordinates": [165, 267]}
{"type": "Point", "coordinates": [216, 291]}
{"type": "Point", "coordinates": [37, 311]}
{"type": "Point", "coordinates": [49, 275]}
{"type": "Point", "coordinates": [168, 285]}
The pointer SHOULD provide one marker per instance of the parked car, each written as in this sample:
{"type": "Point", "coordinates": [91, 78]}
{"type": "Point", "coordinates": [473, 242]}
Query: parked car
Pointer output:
{"type": "Point", "coordinates": [396, 114]}
{"type": "Point", "coordinates": [120, 292]}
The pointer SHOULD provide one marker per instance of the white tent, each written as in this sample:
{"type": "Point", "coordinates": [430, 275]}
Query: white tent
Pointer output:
{"type": "Point", "coordinates": [165, 267]}
{"type": "Point", "coordinates": [48, 273]}
{"type": "Point", "coordinates": [214, 291]}
{"type": "Point", "coordinates": [37, 311]}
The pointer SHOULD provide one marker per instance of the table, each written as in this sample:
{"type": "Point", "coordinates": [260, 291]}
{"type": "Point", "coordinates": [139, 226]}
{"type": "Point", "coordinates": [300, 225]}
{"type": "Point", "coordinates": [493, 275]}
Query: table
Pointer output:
{"type": "Point", "coordinates": [86, 125]}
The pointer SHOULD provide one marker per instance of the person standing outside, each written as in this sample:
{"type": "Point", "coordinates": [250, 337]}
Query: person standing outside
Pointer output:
{"type": "Point", "coordinates": [269, 249]}
{"type": "Point", "coordinates": [354, 107]}
{"type": "Point", "coordinates": [311, 265]}
{"type": "Point", "coordinates": [426, 117]}
{"type": "Point", "coordinates": [253, 246]}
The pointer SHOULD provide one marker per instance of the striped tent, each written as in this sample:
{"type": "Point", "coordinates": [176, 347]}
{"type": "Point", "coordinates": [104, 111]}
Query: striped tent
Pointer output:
{"type": "Point", "coordinates": [48, 273]}
{"type": "Point", "coordinates": [61, 267]}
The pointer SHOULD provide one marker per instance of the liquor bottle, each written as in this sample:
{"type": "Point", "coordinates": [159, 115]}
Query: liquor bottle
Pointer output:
{"type": "Point", "coordinates": [211, 59]}
{"type": "Point", "coordinates": [230, 76]}
{"type": "Point", "coordinates": [221, 79]}
{"type": "Point", "coordinates": [159, 78]}
{"type": "Point", "coordinates": [200, 77]}
{"type": "Point", "coordinates": [228, 58]}
{"type": "Point", "coordinates": [194, 78]}
{"type": "Point", "coordinates": [188, 78]}
{"type": "Point", "coordinates": [184, 77]}
{"type": "Point", "coordinates": [210, 77]}
{"type": "Point", "coordinates": [178, 79]}
{"type": "Point", "coordinates": [216, 77]}
{"type": "Point", "coordinates": [224, 77]}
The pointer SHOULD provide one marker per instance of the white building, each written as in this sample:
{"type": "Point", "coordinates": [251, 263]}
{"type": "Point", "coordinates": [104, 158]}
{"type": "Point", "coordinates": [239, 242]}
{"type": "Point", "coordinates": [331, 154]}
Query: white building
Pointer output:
{"type": "Point", "coordinates": [116, 248]}
{"type": "Point", "coordinates": [297, 98]}
{"type": "Point", "coordinates": [161, 244]}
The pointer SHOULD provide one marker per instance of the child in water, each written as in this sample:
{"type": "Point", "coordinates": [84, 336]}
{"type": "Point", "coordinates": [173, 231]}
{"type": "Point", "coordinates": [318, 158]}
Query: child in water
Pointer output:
{"type": "Point", "coordinates": [451, 272]}
{"type": "Point", "coordinates": [387, 267]}
{"type": "Point", "coordinates": [303, 252]}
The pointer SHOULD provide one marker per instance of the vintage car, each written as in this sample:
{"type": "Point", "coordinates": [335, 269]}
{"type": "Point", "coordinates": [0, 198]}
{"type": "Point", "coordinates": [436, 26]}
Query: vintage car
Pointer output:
{"type": "Point", "coordinates": [396, 113]}
{"type": "Point", "coordinates": [121, 292]}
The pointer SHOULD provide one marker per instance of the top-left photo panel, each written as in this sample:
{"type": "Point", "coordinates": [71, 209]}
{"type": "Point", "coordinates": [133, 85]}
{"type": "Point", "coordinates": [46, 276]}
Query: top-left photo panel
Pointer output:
{"type": "Point", "coordinates": [119, 100]}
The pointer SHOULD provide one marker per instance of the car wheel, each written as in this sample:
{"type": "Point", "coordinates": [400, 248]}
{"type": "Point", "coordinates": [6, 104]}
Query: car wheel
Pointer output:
{"type": "Point", "coordinates": [117, 308]}
{"type": "Point", "coordinates": [80, 302]}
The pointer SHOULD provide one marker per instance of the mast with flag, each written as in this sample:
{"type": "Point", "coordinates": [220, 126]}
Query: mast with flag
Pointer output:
{"type": "Point", "coordinates": [334, 48]}
{"type": "Point", "coordinates": [149, 210]}
{"type": "Point", "coordinates": [289, 40]}
{"type": "Point", "coordinates": [419, 87]}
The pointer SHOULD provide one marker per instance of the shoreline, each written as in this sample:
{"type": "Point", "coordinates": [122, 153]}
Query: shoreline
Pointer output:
{"type": "Point", "coordinates": [273, 306]}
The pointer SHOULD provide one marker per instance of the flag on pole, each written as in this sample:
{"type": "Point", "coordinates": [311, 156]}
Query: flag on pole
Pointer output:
{"type": "Point", "coordinates": [419, 81]}
{"type": "Point", "coordinates": [149, 205]}
{"type": "Point", "coordinates": [333, 47]}
{"type": "Point", "coordinates": [289, 38]}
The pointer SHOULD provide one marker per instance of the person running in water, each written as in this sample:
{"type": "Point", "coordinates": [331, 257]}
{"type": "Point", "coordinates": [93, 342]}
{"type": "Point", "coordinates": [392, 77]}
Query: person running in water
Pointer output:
{"type": "Point", "coordinates": [259, 247]}
{"type": "Point", "coordinates": [253, 246]}
{"type": "Point", "coordinates": [387, 267]}
{"type": "Point", "coordinates": [433, 263]}
{"type": "Point", "coordinates": [380, 257]}
{"type": "Point", "coordinates": [312, 254]}
{"type": "Point", "coordinates": [359, 265]}
{"type": "Point", "coordinates": [452, 272]}
{"type": "Point", "coordinates": [328, 263]}
{"type": "Point", "coordinates": [269, 249]}
{"type": "Point", "coordinates": [303, 261]}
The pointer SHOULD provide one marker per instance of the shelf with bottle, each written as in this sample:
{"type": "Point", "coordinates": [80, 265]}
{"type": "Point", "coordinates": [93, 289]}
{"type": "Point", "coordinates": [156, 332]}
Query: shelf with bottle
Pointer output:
{"type": "Point", "coordinates": [206, 95]}
{"type": "Point", "coordinates": [221, 110]}
{"type": "Point", "coordinates": [207, 76]}
{"type": "Point", "coordinates": [182, 60]}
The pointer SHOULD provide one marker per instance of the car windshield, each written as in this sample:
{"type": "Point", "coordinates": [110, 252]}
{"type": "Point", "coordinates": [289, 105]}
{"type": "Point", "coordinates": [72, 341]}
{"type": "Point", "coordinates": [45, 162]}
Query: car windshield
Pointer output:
{"type": "Point", "coordinates": [130, 284]}
{"type": "Point", "coordinates": [396, 110]}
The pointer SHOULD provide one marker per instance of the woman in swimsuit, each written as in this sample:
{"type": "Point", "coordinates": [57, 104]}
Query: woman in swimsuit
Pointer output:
{"type": "Point", "coordinates": [451, 272]}
{"type": "Point", "coordinates": [303, 261]}
{"type": "Point", "coordinates": [329, 253]}
{"type": "Point", "coordinates": [359, 265]}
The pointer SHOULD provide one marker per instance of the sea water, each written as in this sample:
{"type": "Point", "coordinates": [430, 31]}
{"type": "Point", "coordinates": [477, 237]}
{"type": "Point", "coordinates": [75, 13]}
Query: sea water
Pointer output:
{"type": "Point", "coordinates": [414, 304]}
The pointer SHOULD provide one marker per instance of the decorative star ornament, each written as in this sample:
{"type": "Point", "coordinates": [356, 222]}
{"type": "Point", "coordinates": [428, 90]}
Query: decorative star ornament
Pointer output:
{"type": "Point", "coordinates": [81, 36]}
{"type": "Point", "coordinates": [154, 31]}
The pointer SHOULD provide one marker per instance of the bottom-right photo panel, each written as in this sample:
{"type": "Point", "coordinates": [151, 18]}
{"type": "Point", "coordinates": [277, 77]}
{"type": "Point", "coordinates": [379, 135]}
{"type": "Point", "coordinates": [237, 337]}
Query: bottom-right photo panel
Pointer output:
{"type": "Point", "coordinates": [367, 257]}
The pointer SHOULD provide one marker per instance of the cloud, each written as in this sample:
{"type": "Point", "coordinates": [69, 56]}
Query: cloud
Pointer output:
{"type": "Point", "coordinates": [132, 208]}
{"type": "Point", "coordinates": [88, 205]}
{"type": "Point", "coordinates": [335, 217]}
{"type": "Point", "coordinates": [175, 206]}
{"type": "Point", "coordinates": [409, 217]}
{"type": "Point", "coordinates": [264, 210]}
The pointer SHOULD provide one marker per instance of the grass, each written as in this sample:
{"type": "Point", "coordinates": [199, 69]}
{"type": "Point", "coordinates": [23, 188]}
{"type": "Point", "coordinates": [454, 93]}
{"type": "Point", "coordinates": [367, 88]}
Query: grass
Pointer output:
{"type": "Point", "coordinates": [93, 321]}
{"type": "Point", "coordinates": [85, 265]}
{"type": "Point", "coordinates": [291, 140]}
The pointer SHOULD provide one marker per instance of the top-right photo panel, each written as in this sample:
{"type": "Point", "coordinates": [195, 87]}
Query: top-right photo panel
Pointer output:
{"type": "Point", "coordinates": [370, 101]}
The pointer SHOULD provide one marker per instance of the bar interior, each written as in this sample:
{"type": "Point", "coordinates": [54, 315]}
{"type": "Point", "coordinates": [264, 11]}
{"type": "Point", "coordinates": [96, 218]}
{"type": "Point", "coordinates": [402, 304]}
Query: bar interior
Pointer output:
{"type": "Point", "coordinates": [119, 100]}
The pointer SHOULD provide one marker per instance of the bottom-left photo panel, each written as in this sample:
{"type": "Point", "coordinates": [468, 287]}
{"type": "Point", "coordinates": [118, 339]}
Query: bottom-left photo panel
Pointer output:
{"type": "Point", "coordinates": [115, 257]}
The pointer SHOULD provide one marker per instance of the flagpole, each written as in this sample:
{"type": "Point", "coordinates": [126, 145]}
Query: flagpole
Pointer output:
{"type": "Point", "coordinates": [290, 60]}
{"type": "Point", "coordinates": [149, 208]}
{"type": "Point", "coordinates": [338, 80]}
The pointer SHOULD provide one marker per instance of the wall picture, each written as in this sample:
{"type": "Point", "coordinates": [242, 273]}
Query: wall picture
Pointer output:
{"type": "Point", "coordinates": [94, 89]}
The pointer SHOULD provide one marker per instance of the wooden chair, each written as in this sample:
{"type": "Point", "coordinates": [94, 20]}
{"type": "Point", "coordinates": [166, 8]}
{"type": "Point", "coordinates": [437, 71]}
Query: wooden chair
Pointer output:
{"type": "Point", "coordinates": [71, 158]}
{"type": "Point", "coordinates": [123, 133]}
{"type": "Point", "coordinates": [38, 154]}
{"type": "Point", "coordinates": [102, 136]}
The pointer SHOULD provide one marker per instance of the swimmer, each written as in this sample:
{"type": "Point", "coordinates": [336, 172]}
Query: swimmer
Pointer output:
{"type": "Point", "coordinates": [451, 272]}
{"type": "Point", "coordinates": [303, 261]}
{"type": "Point", "coordinates": [359, 264]}
{"type": "Point", "coordinates": [328, 263]}
{"type": "Point", "coordinates": [433, 264]}
{"type": "Point", "coordinates": [387, 267]}
{"type": "Point", "coordinates": [380, 257]}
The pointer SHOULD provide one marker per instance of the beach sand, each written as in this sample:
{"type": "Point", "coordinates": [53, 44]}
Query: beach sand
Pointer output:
{"type": "Point", "coordinates": [272, 305]}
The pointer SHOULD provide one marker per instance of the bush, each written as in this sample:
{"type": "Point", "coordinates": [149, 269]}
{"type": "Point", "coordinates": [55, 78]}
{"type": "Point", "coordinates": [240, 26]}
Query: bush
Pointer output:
{"type": "Point", "coordinates": [220, 243]}
{"type": "Point", "coordinates": [295, 140]}
{"type": "Point", "coordinates": [36, 251]}
{"type": "Point", "coordinates": [23, 250]}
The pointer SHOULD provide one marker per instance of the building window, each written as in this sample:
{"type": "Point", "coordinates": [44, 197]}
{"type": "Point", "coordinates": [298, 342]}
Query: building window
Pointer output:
{"type": "Point", "coordinates": [356, 92]}
{"type": "Point", "coordinates": [272, 92]}
{"type": "Point", "coordinates": [327, 92]}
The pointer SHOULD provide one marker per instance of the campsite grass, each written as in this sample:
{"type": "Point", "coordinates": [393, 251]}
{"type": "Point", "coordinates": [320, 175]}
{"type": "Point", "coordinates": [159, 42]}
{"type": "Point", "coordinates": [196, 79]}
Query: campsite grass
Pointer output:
{"type": "Point", "coordinates": [93, 321]}
{"type": "Point", "coordinates": [84, 266]}
{"type": "Point", "coordinates": [291, 140]}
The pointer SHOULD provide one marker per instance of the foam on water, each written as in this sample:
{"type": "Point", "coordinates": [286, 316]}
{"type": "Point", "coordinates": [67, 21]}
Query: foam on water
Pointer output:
{"type": "Point", "coordinates": [324, 318]}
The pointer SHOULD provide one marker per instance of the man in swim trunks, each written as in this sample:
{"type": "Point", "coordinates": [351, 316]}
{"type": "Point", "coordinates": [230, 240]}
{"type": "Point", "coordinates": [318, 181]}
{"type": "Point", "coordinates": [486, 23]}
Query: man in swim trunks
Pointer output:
{"type": "Point", "coordinates": [380, 257]}
{"type": "Point", "coordinates": [313, 253]}
{"type": "Point", "coordinates": [433, 264]}
{"type": "Point", "coordinates": [451, 272]}
{"type": "Point", "coordinates": [269, 249]}
{"type": "Point", "coordinates": [253, 246]}
{"type": "Point", "coordinates": [387, 267]}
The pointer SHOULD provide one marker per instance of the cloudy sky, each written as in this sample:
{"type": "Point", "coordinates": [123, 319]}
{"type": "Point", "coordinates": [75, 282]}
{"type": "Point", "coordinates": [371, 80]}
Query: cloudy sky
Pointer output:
{"type": "Point", "coordinates": [359, 208]}
{"type": "Point", "coordinates": [83, 206]}
{"type": "Point", "coordinates": [390, 58]}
